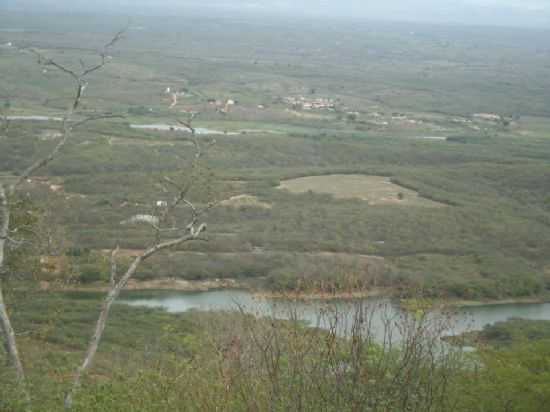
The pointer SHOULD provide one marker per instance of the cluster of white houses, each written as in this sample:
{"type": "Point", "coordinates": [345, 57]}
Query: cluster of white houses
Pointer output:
{"type": "Point", "coordinates": [305, 103]}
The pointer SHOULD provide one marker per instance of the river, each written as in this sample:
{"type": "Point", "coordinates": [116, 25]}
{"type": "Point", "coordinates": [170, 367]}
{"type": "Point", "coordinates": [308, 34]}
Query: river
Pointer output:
{"type": "Point", "coordinates": [462, 319]}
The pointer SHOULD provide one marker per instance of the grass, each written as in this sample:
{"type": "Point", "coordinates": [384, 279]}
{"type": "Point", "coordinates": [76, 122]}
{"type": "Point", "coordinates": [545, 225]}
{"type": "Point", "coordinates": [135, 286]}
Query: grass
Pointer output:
{"type": "Point", "coordinates": [375, 190]}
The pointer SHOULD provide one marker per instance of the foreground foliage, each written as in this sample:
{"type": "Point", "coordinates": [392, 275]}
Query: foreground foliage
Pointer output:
{"type": "Point", "coordinates": [154, 361]}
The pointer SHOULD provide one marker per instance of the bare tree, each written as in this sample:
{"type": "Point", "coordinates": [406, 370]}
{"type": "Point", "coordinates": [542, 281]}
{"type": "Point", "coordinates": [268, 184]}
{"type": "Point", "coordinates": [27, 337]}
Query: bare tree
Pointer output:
{"type": "Point", "coordinates": [168, 234]}
{"type": "Point", "coordinates": [367, 357]}
{"type": "Point", "coordinates": [70, 121]}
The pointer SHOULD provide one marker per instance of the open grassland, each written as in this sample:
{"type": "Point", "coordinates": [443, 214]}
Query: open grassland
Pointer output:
{"type": "Point", "coordinates": [375, 190]}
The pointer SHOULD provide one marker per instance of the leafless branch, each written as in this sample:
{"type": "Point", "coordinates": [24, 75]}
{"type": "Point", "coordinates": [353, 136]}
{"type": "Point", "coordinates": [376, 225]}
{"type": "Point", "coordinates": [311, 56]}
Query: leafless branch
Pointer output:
{"type": "Point", "coordinates": [116, 38]}
{"type": "Point", "coordinates": [45, 61]}
{"type": "Point", "coordinates": [193, 231]}
{"type": "Point", "coordinates": [81, 85]}
{"type": "Point", "coordinates": [40, 163]}
{"type": "Point", "coordinates": [114, 254]}
{"type": "Point", "coordinates": [85, 70]}
{"type": "Point", "coordinates": [188, 123]}
{"type": "Point", "coordinates": [7, 191]}
{"type": "Point", "coordinates": [13, 241]}
{"type": "Point", "coordinates": [96, 117]}
{"type": "Point", "coordinates": [24, 229]}
{"type": "Point", "coordinates": [4, 122]}
{"type": "Point", "coordinates": [111, 298]}
{"type": "Point", "coordinates": [5, 322]}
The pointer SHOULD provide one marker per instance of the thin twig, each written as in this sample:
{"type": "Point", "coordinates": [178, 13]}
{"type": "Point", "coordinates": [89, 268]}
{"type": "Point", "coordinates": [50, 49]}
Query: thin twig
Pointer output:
{"type": "Point", "coordinates": [97, 117]}
{"type": "Point", "coordinates": [7, 192]}
{"type": "Point", "coordinates": [114, 254]}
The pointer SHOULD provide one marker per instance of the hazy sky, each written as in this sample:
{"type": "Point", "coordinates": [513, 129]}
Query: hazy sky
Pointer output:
{"type": "Point", "coordinates": [534, 13]}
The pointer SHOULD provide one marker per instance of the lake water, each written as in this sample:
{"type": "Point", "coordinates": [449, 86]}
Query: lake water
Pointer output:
{"type": "Point", "coordinates": [173, 128]}
{"type": "Point", "coordinates": [157, 127]}
{"type": "Point", "coordinates": [321, 313]}
{"type": "Point", "coordinates": [36, 118]}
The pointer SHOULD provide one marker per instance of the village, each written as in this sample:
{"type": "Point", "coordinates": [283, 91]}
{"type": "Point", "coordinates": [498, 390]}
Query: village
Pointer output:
{"type": "Point", "coordinates": [304, 103]}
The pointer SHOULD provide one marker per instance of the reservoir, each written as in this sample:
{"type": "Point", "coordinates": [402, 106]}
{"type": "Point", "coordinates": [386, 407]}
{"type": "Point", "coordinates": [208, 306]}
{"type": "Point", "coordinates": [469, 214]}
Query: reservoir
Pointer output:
{"type": "Point", "coordinates": [380, 311]}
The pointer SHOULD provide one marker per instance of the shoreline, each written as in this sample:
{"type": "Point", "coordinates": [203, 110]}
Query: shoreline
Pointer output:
{"type": "Point", "coordinates": [164, 284]}
{"type": "Point", "coordinates": [309, 296]}
{"type": "Point", "coordinates": [180, 285]}
{"type": "Point", "coordinates": [497, 302]}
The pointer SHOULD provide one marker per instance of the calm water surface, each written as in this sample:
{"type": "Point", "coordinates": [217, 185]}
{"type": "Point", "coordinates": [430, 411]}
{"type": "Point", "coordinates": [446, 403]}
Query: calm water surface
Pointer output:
{"type": "Point", "coordinates": [167, 127]}
{"type": "Point", "coordinates": [36, 118]}
{"type": "Point", "coordinates": [321, 313]}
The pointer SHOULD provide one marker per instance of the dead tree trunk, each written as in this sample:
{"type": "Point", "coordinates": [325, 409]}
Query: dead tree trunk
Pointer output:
{"type": "Point", "coordinates": [5, 322]}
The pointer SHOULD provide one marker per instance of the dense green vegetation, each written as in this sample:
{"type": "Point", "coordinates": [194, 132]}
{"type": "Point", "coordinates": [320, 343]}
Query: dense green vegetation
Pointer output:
{"type": "Point", "coordinates": [458, 115]}
{"type": "Point", "coordinates": [512, 332]}
{"type": "Point", "coordinates": [491, 241]}
{"type": "Point", "coordinates": [514, 367]}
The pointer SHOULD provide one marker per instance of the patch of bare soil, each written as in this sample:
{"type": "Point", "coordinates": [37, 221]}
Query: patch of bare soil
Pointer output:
{"type": "Point", "coordinates": [245, 201]}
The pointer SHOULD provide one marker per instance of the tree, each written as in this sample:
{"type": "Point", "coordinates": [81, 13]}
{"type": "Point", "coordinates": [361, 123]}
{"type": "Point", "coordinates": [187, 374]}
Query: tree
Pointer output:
{"type": "Point", "coordinates": [167, 234]}
{"type": "Point", "coordinates": [71, 120]}
{"type": "Point", "coordinates": [163, 219]}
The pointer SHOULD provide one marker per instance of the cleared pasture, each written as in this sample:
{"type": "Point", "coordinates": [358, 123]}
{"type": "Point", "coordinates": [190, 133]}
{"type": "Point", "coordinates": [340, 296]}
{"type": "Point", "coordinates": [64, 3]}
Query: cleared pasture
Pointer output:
{"type": "Point", "coordinates": [376, 190]}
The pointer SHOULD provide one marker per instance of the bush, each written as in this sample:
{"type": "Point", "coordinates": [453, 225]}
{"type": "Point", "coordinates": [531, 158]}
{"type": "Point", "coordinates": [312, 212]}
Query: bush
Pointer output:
{"type": "Point", "coordinates": [90, 274]}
